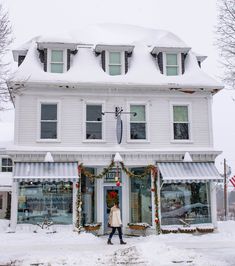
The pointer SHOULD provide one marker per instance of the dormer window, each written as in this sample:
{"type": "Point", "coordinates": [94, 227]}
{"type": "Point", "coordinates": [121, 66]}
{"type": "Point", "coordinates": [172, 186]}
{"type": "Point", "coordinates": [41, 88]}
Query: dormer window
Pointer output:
{"type": "Point", "coordinates": [114, 58]}
{"type": "Point", "coordinates": [56, 57]}
{"type": "Point", "coordinates": [57, 61]}
{"type": "Point", "coordinates": [115, 63]}
{"type": "Point", "coordinates": [172, 64]}
{"type": "Point", "coordinates": [171, 60]}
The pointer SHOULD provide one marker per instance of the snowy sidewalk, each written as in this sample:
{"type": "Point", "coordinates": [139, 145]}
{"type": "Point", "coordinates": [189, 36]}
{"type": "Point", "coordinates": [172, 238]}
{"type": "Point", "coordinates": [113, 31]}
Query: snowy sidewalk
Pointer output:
{"type": "Point", "coordinates": [25, 248]}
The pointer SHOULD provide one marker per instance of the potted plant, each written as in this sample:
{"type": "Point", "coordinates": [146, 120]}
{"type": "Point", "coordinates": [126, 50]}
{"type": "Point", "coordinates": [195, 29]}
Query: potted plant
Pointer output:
{"type": "Point", "coordinates": [92, 227]}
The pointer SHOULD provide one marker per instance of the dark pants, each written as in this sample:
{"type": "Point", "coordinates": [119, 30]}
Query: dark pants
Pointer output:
{"type": "Point", "coordinates": [114, 230]}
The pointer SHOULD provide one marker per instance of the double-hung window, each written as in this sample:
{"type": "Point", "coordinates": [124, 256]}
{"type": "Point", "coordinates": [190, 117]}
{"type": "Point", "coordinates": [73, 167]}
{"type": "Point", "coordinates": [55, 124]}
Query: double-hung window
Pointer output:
{"type": "Point", "coordinates": [181, 124]}
{"type": "Point", "coordinates": [49, 121]}
{"type": "Point", "coordinates": [137, 122]}
{"type": "Point", "coordinates": [115, 63]}
{"type": "Point", "coordinates": [172, 64]}
{"type": "Point", "coordinates": [94, 121]}
{"type": "Point", "coordinates": [57, 61]}
{"type": "Point", "coordinates": [7, 165]}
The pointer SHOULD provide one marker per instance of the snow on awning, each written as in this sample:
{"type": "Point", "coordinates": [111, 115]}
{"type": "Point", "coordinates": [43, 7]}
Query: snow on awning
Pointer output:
{"type": "Point", "coordinates": [189, 172]}
{"type": "Point", "coordinates": [48, 171]}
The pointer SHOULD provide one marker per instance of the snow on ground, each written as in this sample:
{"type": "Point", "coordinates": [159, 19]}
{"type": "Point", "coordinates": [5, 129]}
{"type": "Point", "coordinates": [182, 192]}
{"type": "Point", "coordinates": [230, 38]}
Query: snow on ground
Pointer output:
{"type": "Point", "coordinates": [66, 247]}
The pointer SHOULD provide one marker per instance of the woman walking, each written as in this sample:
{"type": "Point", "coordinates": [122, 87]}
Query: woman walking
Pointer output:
{"type": "Point", "coordinates": [116, 223]}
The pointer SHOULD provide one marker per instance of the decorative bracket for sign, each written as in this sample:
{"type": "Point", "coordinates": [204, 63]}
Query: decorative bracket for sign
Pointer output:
{"type": "Point", "coordinates": [119, 126]}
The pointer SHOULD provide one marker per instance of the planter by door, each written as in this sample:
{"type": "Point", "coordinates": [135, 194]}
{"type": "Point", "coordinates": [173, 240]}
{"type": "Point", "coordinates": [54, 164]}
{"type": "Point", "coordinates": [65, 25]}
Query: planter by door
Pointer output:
{"type": "Point", "coordinates": [111, 194]}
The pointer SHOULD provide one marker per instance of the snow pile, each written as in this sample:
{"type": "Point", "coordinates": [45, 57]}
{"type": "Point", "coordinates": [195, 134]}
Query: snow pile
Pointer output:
{"type": "Point", "coordinates": [4, 225]}
{"type": "Point", "coordinates": [70, 248]}
{"type": "Point", "coordinates": [161, 254]}
{"type": "Point", "coordinates": [86, 66]}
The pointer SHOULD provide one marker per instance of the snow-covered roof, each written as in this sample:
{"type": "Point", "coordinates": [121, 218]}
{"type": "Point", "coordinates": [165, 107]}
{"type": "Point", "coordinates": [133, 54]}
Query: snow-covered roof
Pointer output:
{"type": "Point", "coordinates": [85, 67]}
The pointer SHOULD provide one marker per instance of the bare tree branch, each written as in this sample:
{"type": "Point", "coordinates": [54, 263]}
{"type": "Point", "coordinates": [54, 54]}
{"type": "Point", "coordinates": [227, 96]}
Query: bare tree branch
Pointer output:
{"type": "Point", "coordinates": [5, 41]}
{"type": "Point", "coordinates": [226, 38]}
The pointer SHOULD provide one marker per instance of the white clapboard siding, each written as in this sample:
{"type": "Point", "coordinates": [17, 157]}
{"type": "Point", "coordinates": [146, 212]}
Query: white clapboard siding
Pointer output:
{"type": "Point", "coordinates": [72, 116]}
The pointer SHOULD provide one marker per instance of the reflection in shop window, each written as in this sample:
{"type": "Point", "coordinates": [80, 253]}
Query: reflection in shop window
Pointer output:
{"type": "Point", "coordinates": [37, 201]}
{"type": "Point", "coordinates": [140, 201]}
{"type": "Point", "coordinates": [88, 199]}
{"type": "Point", "coordinates": [189, 202]}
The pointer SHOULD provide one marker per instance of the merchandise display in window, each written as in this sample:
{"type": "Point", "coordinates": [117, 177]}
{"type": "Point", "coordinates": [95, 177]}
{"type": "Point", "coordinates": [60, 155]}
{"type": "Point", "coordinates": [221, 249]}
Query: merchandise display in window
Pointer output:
{"type": "Point", "coordinates": [187, 203]}
{"type": "Point", "coordinates": [140, 198]}
{"type": "Point", "coordinates": [88, 198]}
{"type": "Point", "coordinates": [37, 201]}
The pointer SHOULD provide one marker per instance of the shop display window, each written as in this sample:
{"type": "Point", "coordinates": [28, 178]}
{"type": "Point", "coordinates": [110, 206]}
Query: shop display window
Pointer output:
{"type": "Point", "coordinates": [48, 200]}
{"type": "Point", "coordinates": [140, 198]}
{"type": "Point", "coordinates": [88, 198]}
{"type": "Point", "coordinates": [185, 203]}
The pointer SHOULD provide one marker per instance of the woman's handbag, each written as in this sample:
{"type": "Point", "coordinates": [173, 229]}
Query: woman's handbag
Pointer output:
{"type": "Point", "coordinates": [109, 225]}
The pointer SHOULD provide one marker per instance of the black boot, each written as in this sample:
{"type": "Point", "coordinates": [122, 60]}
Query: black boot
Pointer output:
{"type": "Point", "coordinates": [109, 242]}
{"type": "Point", "coordinates": [122, 242]}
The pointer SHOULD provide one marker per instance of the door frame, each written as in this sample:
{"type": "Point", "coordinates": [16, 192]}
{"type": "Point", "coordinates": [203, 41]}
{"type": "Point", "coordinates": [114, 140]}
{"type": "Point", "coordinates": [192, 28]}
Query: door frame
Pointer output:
{"type": "Point", "coordinates": [105, 217]}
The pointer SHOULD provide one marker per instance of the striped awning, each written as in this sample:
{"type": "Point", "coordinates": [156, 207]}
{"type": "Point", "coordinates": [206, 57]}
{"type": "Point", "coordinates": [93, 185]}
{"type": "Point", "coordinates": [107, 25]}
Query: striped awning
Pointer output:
{"type": "Point", "coordinates": [189, 172]}
{"type": "Point", "coordinates": [46, 171]}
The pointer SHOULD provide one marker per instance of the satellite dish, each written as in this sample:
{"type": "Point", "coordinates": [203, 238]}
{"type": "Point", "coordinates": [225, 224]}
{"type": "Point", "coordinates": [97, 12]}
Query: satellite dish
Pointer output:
{"type": "Point", "coordinates": [119, 129]}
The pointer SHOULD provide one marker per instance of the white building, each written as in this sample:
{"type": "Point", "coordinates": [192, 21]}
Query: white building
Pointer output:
{"type": "Point", "coordinates": [66, 92]}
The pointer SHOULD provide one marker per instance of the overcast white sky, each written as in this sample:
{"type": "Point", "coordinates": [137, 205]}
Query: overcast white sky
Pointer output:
{"type": "Point", "coordinates": [192, 20]}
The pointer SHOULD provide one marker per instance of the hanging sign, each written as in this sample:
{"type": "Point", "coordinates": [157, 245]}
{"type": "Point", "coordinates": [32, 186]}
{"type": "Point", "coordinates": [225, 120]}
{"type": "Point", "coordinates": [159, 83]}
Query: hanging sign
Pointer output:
{"type": "Point", "coordinates": [119, 129]}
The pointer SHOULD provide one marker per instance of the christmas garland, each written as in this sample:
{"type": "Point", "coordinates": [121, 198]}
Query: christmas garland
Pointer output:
{"type": "Point", "coordinates": [157, 220]}
{"type": "Point", "coordinates": [99, 176]}
{"type": "Point", "coordinates": [79, 207]}
{"type": "Point", "coordinates": [149, 169]}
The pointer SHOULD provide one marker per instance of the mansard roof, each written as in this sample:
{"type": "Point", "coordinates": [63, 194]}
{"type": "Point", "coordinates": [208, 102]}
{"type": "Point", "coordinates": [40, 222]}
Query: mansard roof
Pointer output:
{"type": "Point", "coordinates": [86, 66]}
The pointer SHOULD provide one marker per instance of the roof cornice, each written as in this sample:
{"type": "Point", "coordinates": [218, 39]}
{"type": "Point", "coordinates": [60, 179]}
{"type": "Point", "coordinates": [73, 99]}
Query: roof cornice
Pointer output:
{"type": "Point", "coordinates": [114, 47]}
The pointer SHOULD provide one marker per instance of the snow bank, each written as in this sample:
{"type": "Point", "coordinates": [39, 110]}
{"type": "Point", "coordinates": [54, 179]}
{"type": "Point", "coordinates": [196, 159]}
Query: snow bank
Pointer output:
{"type": "Point", "coordinates": [69, 248]}
{"type": "Point", "coordinates": [86, 66]}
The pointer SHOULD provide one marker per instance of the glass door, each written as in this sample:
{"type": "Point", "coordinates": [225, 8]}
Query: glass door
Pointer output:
{"type": "Point", "coordinates": [111, 195]}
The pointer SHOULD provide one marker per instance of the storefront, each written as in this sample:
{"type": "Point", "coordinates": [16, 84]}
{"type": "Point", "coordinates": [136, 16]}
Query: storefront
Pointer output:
{"type": "Point", "coordinates": [167, 193]}
{"type": "Point", "coordinates": [44, 191]}
{"type": "Point", "coordinates": [187, 193]}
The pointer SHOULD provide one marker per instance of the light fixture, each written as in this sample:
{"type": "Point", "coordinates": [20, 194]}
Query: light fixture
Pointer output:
{"type": "Point", "coordinates": [117, 158]}
{"type": "Point", "coordinates": [187, 158]}
{"type": "Point", "coordinates": [48, 158]}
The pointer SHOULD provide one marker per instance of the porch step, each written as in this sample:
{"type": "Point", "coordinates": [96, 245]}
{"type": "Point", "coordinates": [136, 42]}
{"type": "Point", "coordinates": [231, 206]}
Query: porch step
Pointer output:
{"type": "Point", "coordinates": [126, 256]}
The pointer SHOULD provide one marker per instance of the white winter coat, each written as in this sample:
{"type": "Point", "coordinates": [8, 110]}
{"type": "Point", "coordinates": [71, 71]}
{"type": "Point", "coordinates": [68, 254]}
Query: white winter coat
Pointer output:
{"type": "Point", "coordinates": [115, 217]}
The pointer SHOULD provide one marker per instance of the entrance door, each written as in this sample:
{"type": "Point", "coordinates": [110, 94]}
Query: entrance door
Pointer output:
{"type": "Point", "coordinates": [111, 194]}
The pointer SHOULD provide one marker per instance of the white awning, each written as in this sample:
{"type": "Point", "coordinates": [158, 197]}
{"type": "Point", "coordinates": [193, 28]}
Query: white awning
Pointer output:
{"type": "Point", "coordinates": [46, 171]}
{"type": "Point", "coordinates": [189, 172]}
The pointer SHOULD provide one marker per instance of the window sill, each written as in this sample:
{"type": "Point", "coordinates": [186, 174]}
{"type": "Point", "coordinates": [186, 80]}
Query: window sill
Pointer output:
{"type": "Point", "coordinates": [48, 140]}
{"type": "Point", "coordinates": [138, 141]}
{"type": "Point", "coordinates": [181, 141]}
{"type": "Point", "coordinates": [94, 141]}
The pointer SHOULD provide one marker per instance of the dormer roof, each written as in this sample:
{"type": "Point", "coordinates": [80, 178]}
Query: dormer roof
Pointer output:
{"type": "Point", "coordinates": [114, 47]}
{"type": "Point", "coordinates": [158, 49]}
{"type": "Point", "coordinates": [51, 45]}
